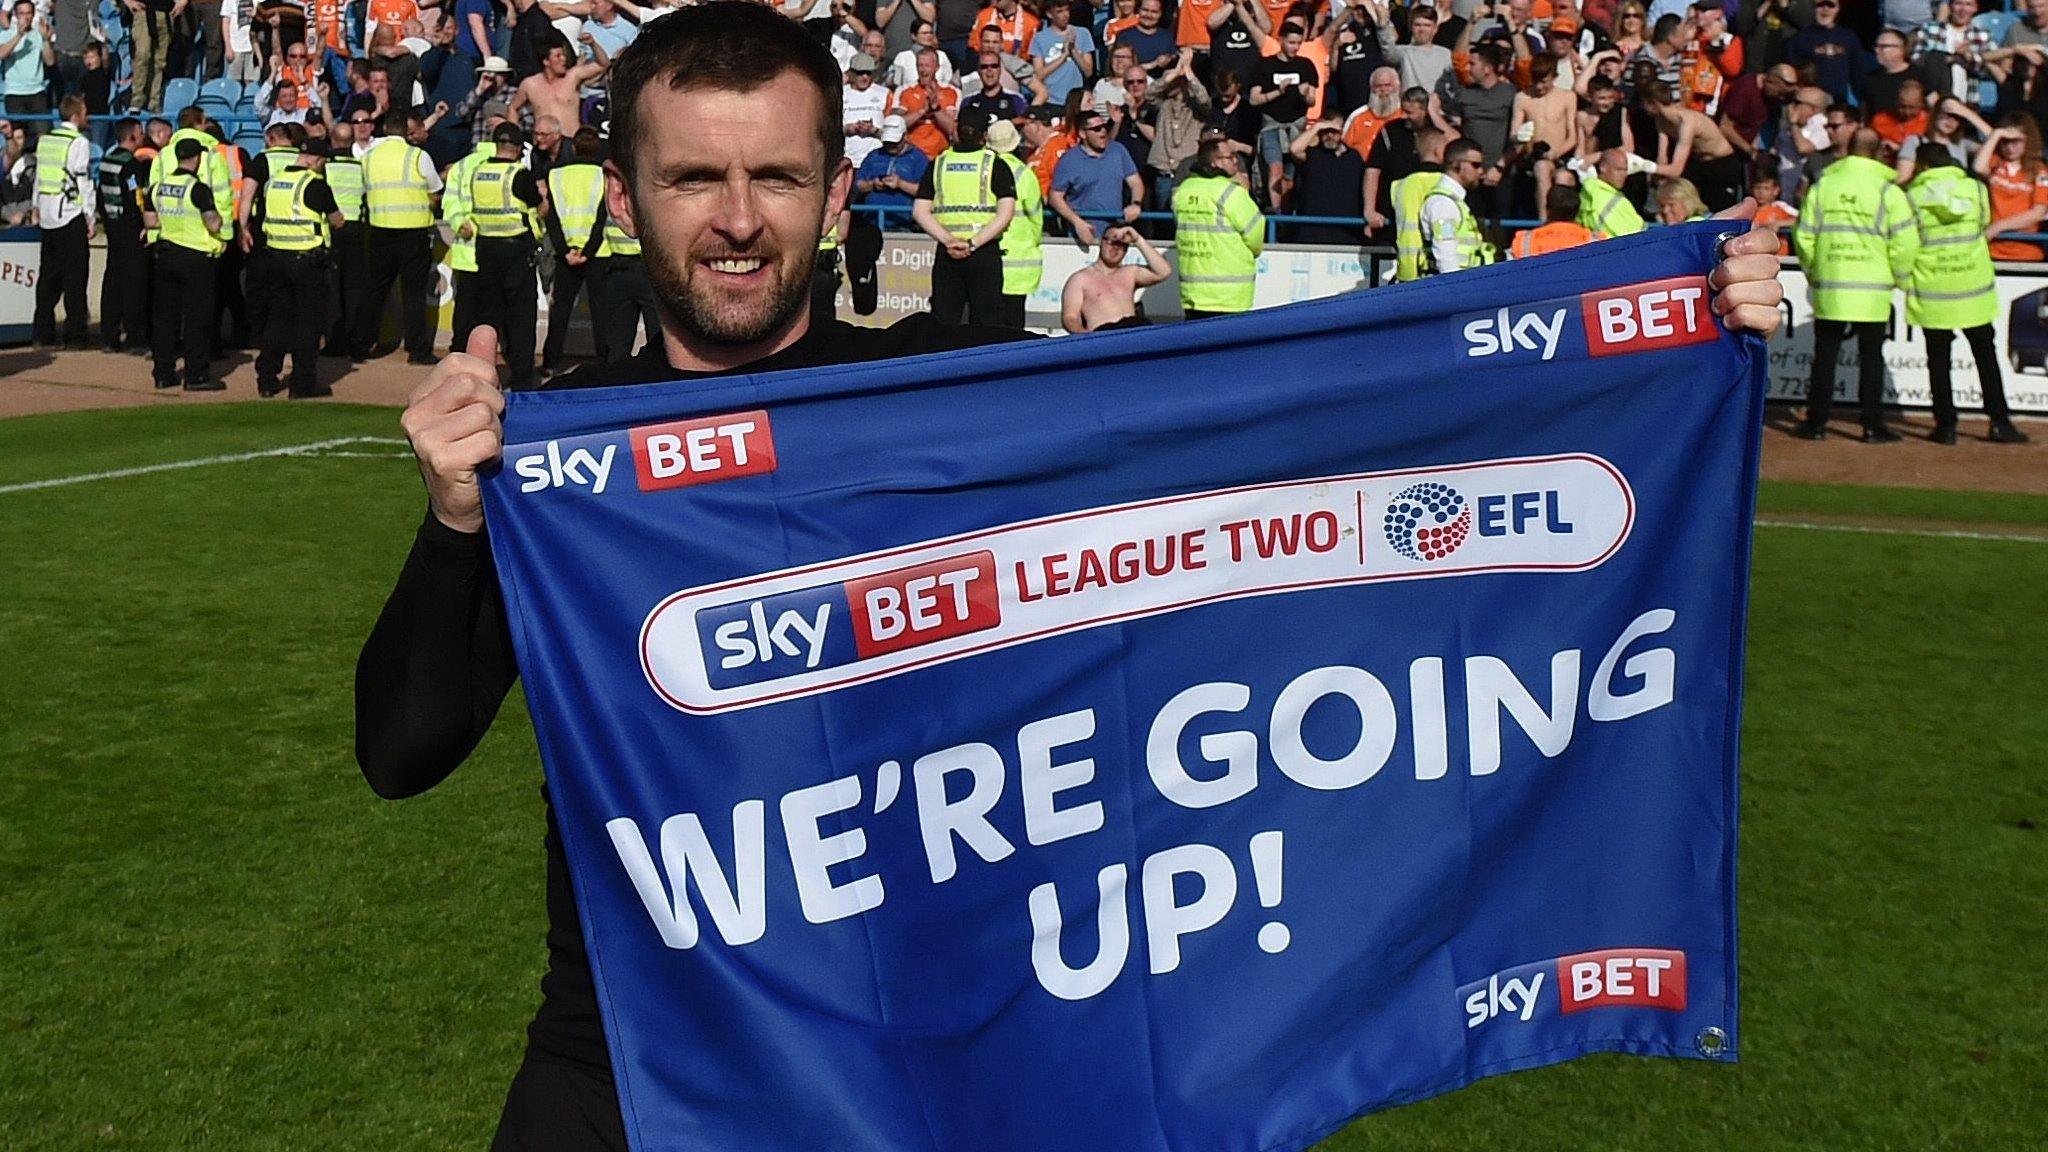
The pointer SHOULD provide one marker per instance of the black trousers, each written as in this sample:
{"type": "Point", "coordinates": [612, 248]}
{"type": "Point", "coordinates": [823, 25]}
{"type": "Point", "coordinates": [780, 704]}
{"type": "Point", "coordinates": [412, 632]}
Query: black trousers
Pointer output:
{"type": "Point", "coordinates": [258, 290]}
{"type": "Point", "coordinates": [299, 281]}
{"type": "Point", "coordinates": [973, 286]}
{"type": "Point", "coordinates": [124, 287]}
{"type": "Point", "coordinates": [349, 248]}
{"type": "Point", "coordinates": [863, 250]}
{"type": "Point", "coordinates": [570, 279]}
{"type": "Point", "coordinates": [504, 287]}
{"type": "Point", "coordinates": [825, 285]}
{"type": "Point", "coordinates": [1827, 345]}
{"type": "Point", "coordinates": [185, 282]}
{"type": "Point", "coordinates": [63, 275]}
{"type": "Point", "coordinates": [1013, 310]}
{"type": "Point", "coordinates": [400, 256]}
{"type": "Point", "coordinates": [629, 303]}
{"type": "Point", "coordinates": [229, 299]}
{"type": "Point", "coordinates": [462, 318]}
{"type": "Point", "coordinates": [1984, 349]}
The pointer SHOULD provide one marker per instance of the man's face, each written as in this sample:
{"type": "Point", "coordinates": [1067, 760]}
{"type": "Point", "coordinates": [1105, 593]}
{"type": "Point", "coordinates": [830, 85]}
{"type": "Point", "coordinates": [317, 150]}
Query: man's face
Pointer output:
{"type": "Point", "coordinates": [1518, 11]}
{"type": "Point", "coordinates": [992, 40]}
{"type": "Point", "coordinates": [1121, 58]}
{"type": "Point", "coordinates": [1840, 128]}
{"type": "Point", "coordinates": [1539, 85]}
{"type": "Point", "coordinates": [1613, 167]}
{"type": "Point", "coordinates": [287, 96]}
{"type": "Point", "coordinates": [1912, 101]}
{"type": "Point", "coordinates": [875, 45]}
{"type": "Point", "coordinates": [1961, 12]}
{"type": "Point", "coordinates": [1290, 42]}
{"type": "Point", "coordinates": [1776, 87]}
{"type": "Point", "coordinates": [380, 83]}
{"type": "Point", "coordinates": [556, 62]}
{"type": "Point", "coordinates": [415, 131]}
{"type": "Point", "coordinates": [860, 81]}
{"type": "Point", "coordinates": [24, 18]}
{"type": "Point", "coordinates": [2037, 13]}
{"type": "Point", "coordinates": [1825, 12]}
{"type": "Point", "coordinates": [1421, 27]}
{"type": "Point", "coordinates": [927, 68]}
{"type": "Point", "coordinates": [990, 69]}
{"type": "Point", "coordinates": [1711, 22]}
{"type": "Point", "coordinates": [1057, 14]}
{"type": "Point", "coordinates": [1466, 169]}
{"type": "Point", "coordinates": [1150, 12]}
{"type": "Point", "coordinates": [1136, 84]}
{"type": "Point", "coordinates": [1094, 133]}
{"type": "Point", "coordinates": [603, 10]}
{"type": "Point", "coordinates": [1113, 249]}
{"type": "Point", "coordinates": [729, 215]}
{"type": "Point", "coordinates": [1605, 99]}
{"type": "Point", "coordinates": [1417, 111]}
{"type": "Point", "coordinates": [547, 135]}
{"type": "Point", "coordinates": [1765, 191]}
{"type": "Point", "coordinates": [1385, 88]}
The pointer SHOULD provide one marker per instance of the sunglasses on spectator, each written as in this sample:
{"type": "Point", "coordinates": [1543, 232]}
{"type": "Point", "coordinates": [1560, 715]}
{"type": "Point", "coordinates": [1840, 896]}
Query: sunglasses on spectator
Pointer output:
{"type": "Point", "coordinates": [1098, 126]}
{"type": "Point", "coordinates": [1134, 83]}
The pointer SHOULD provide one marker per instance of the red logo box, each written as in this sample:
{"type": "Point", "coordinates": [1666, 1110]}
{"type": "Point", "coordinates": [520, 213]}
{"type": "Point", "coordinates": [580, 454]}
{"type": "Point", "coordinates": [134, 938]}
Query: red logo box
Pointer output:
{"type": "Point", "coordinates": [1650, 316]}
{"type": "Point", "coordinates": [1621, 978]}
{"type": "Point", "coordinates": [924, 603]}
{"type": "Point", "coordinates": [685, 452]}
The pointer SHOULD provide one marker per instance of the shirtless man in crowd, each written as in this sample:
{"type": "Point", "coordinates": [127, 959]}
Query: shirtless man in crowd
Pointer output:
{"type": "Point", "coordinates": [1697, 150]}
{"type": "Point", "coordinates": [1107, 291]}
{"type": "Point", "coordinates": [555, 90]}
{"type": "Point", "coordinates": [1551, 116]}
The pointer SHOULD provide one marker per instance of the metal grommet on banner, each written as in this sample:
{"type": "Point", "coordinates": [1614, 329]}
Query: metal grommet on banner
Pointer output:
{"type": "Point", "coordinates": [1711, 1042]}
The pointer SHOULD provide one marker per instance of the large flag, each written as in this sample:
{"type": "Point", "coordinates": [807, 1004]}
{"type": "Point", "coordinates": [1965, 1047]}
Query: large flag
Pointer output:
{"type": "Point", "coordinates": [1182, 738]}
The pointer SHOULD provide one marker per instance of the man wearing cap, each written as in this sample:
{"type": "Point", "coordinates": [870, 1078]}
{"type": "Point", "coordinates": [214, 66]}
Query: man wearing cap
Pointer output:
{"type": "Point", "coordinates": [183, 213]}
{"type": "Point", "coordinates": [503, 201]}
{"type": "Point", "coordinates": [298, 219]}
{"type": "Point", "coordinates": [965, 202]}
{"type": "Point", "coordinates": [864, 104]}
{"type": "Point", "coordinates": [1023, 241]}
{"type": "Point", "coordinates": [488, 102]}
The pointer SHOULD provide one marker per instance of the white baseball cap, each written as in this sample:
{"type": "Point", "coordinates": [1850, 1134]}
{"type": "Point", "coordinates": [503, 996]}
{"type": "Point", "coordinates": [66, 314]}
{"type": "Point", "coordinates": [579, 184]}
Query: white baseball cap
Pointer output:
{"type": "Point", "coordinates": [496, 64]}
{"type": "Point", "coordinates": [893, 129]}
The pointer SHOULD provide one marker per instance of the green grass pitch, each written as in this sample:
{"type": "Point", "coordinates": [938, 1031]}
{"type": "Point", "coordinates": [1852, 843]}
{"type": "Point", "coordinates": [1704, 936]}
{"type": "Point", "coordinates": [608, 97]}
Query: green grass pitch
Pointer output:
{"type": "Point", "coordinates": [212, 936]}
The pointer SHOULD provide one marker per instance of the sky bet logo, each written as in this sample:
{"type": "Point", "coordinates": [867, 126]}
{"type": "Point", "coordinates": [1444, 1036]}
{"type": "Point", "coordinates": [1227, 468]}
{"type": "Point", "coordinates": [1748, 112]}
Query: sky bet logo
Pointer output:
{"type": "Point", "coordinates": [832, 624]}
{"type": "Point", "coordinates": [1615, 978]}
{"type": "Point", "coordinates": [1646, 317]}
{"type": "Point", "coordinates": [699, 451]}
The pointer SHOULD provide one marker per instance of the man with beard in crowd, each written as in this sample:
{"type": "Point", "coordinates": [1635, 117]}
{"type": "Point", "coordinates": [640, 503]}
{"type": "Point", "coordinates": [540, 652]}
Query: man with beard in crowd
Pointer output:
{"type": "Point", "coordinates": [727, 95]}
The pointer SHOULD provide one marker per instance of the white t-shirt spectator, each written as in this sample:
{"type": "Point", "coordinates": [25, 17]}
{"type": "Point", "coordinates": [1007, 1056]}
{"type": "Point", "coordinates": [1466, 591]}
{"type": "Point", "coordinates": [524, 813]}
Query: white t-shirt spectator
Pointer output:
{"type": "Point", "coordinates": [871, 105]}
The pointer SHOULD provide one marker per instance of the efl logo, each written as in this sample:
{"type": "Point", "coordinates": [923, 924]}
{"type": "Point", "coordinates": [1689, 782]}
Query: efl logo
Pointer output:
{"type": "Point", "coordinates": [1427, 521]}
{"type": "Point", "coordinates": [750, 641]}
{"type": "Point", "coordinates": [1648, 317]}
{"type": "Point", "coordinates": [1621, 978]}
{"type": "Point", "coordinates": [685, 452]}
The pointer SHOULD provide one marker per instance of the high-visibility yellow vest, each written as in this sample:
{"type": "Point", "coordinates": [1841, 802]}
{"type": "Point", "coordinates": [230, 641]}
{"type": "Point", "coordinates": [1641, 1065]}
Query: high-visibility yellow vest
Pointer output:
{"type": "Point", "coordinates": [395, 192]}
{"type": "Point", "coordinates": [53, 152]}
{"type": "Point", "coordinates": [1219, 233]}
{"type": "Point", "coordinates": [455, 207]}
{"type": "Point", "coordinates": [496, 212]}
{"type": "Point", "coordinates": [345, 179]}
{"type": "Point", "coordinates": [1407, 196]}
{"type": "Point", "coordinates": [1024, 239]}
{"type": "Point", "coordinates": [1858, 238]}
{"type": "Point", "coordinates": [279, 159]}
{"type": "Point", "coordinates": [213, 169]}
{"type": "Point", "coordinates": [1604, 210]}
{"type": "Point", "coordinates": [577, 192]}
{"type": "Point", "coordinates": [617, 241]}
{"type": "Point", "coordinates": [288, 225]}
{"type": "Point", "coordinates": [180, 222]}
{"type": "Point", "coordinates": [1953, 285]}
{"type": "Point", "coordinates": [963, 196]}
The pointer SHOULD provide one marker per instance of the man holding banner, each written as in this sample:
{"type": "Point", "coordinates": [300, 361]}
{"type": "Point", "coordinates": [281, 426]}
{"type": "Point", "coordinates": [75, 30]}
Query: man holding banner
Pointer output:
{"type": "Point", "coordinates": [728, 215]}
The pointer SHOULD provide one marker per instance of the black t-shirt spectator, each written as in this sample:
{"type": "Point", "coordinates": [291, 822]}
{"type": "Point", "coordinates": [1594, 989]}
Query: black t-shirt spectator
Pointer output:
{"type": "Point", "coordinates": [1240, 123]}
{"type": "Point", "coordinates": [1000, 183]}
{"type": "Point", "coordinates": [999, 105]}
{"type": "Point", "coordinates": [1330, 183]}
{"type": "Point", "coordinates": [1277, 75]}
{"type": "Point", "coordinates": [1134, 141]}
{"type": "Point", "coordinates": [1232, 49]}
{"type": "Point", "coordinates": [1607, 128]}
{"type": "Point", "coordinates": [1395, 155]}
{"type": "Point", "coordinates": [1351, 69]}
{"type": "Point", "coordinates": [97, 86]}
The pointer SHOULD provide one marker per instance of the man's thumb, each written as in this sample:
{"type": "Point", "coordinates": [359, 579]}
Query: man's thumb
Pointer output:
{"type": "Point", "coordinates": [483, 344]}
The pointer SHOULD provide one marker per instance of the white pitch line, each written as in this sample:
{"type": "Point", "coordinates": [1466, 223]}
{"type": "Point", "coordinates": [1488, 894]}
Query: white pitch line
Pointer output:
{"type": "Point", "coordinates": [200, 462]}
{"type": "Point", "coordinates": [1936, 533]}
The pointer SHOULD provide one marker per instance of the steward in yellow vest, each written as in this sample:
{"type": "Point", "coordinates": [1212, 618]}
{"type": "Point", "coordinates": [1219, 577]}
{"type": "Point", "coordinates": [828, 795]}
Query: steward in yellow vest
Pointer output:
{"type": "Point", "coordinates": [504, 206]}
{"type": "Point", "coordinates": [1434, 229]}
{"type": "Point", "coordinates": [344, 176]}
{"type": "Point", "coordinates": [628, 297]}
{"type": "Point", "coordinates": [1603, 209]}
{"type": "Point", "coordinates": [184, 213]}
{"type": "Point", "coordinates": [1023, 242]}
{"type": "Point", "coordinates": [399, 187]}
{"type": "Point", "coordinates": [1952, 289]}
{"type": "Point", "coordinates": [1218, 233]}
{"type": "Point", "coordinates": [65, 213]}
{"type": "Point", "coordinates": [575, 226]}
{"type": "Point", "coordinates": [1857, 238]}
{"type": "Point", "coordinates": [966, 202]}
{"type": "Point", "coordinates": [299, 218]}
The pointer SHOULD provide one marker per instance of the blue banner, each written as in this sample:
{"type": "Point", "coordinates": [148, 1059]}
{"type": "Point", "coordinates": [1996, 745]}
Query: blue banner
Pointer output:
{"type": "Point", "coordinates": [1182, 738]}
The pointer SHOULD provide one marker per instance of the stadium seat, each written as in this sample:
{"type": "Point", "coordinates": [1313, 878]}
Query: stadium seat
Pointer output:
{"type": "Point", "coordinates": [179, 94]}
{"type": "Point", "coordinates": [225, 91]}
{"type": "Point", "coordinates": [249, 140]}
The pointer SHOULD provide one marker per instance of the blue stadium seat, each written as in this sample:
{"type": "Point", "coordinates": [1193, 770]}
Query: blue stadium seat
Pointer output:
{"type": "Point", "coordinates": [224, 91]}
{"type": "Point", "coordinates": [249, 140]}
{"type": "Point", "coordinates": [179, 94]}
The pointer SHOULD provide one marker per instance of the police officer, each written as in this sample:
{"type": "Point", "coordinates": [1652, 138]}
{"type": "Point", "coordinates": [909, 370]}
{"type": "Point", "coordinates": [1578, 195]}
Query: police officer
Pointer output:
{"type": "Point", "coordinates": [1434, 229]}
{"type": "Point", "coordinates": [1023, 241]}
{"type": "Point", "coordinates": [1856, 238]}
{"type": "Point", "coordinates": [184, 214]}
{"type": "Point", "coordinates": [628, 297]}
{"type": "Point", "coordinates": [966, 200]}
{"type": "Point", "coordinates": [125, 278]}
{"type": "Point", "coordinates": [575, 226]}
{"type": "Point", "coordinates": [1953, 289]}
{"type": "Point", "coordinates": [344, 176]}
{"type": "Point", "coordinates": [66, 213]}
{"type": "Point", "coordinates": [281, 144]}
{"type": "Point", "coordinates": [213, 172]}
{"type": "Point", "coordinates": [462, 239]}
{"type": "Point", "coordinates": [299, 216]}
{"type": "Point", "coordinates": [400, 186]}
{"type": "Point", "coordinates": [504, 206]}
{"type": "Point", "coordinates": [1220, 233]}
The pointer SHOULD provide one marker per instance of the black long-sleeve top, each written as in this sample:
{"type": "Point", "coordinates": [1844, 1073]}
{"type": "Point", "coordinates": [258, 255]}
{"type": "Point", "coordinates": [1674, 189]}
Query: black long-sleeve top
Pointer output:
{"type": "Point", "coordinates": [439, 660]}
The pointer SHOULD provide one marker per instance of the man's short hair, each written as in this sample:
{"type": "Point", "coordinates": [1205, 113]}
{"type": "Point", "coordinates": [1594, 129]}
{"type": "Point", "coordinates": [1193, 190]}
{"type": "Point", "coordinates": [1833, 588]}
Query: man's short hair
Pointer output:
{"type": "Point", "coordinates": [191, 116]}
{"type": "Point", "coordinates": [125, 127]}
{"type": "Point", "coordinates": [1495, 55]}
{"type": "Point", "coordinates": [1415, 95]}
{"type": "Point", "coordinates": [1460, 148]}
{"type": "Point", "coordinates": [509, 134]}
{"type": "Point", "coordinates": [1562, 202]}
{"type": "Point", "coordinates": [1422, 12]}
{"type": "Point", "coordinates": [393, 123]}
{"type": "Point", "coordinates": [72, 105]}
{"type": "Point", "coordinates": [1599, 83]}
{"type": "Point", "coordinates": [1542, 68]}
{"type": "Point", "coordinates": [1851, 111]}
{"type": "Point", "coordinates": [294, 134]}
{"type": "Point", "coordinates": [586, 145]}
{"type": "Point", "coordinates": [727, 45]}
